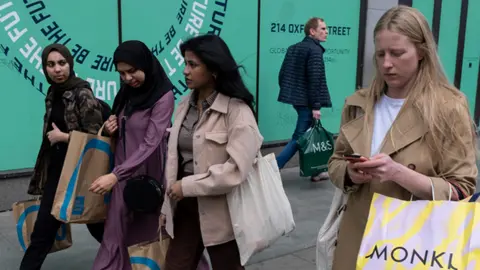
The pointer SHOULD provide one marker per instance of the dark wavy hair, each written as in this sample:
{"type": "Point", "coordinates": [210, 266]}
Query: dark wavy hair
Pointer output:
{"type": "Point", "coordinates": [216, 55]}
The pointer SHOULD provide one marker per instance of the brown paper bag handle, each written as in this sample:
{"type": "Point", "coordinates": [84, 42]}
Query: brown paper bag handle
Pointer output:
{"type": "Point", "coordinates": [101, 129]}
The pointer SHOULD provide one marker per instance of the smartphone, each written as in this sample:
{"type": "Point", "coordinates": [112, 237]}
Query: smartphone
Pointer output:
{"type": "Point", "coordinates": [354, 158]}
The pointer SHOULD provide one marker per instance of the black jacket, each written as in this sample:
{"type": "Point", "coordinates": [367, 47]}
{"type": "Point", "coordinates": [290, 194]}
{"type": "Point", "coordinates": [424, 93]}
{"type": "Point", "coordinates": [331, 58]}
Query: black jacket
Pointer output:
{"type": "Point", "coordinates": [302, 77]}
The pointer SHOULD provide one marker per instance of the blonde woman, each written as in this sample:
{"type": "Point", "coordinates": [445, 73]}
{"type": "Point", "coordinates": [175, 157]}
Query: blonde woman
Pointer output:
{"type": "Point", "coordinates": [411, 126]}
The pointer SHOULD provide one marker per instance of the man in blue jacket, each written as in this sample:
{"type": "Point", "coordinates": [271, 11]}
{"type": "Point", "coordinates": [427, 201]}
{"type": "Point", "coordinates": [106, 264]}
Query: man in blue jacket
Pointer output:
{"type": "Point", "coordinates": [303, 84]}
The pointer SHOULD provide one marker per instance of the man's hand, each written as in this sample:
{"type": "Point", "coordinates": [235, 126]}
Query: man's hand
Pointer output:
{"type": "Point", "coordinates": [316, 114]}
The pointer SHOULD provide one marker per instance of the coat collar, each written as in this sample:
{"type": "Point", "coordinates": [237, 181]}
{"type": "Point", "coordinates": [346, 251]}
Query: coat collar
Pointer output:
{"type": "Point", "coordinates": [407, 127]}
{"type": "Point", "coordinates": [317, 42]}
{"type": "Point", "coordinates": [68, 95]}
{"type": "Point", "coordinates": [206, 103]}
{"type": "Point", "coordinates": [220, 104]}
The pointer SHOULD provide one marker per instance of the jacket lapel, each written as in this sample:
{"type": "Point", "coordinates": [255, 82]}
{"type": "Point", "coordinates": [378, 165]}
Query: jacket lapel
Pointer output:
{"type": "Point", "coordinates": [358, 136]}
{"type": "Point", "coordinates": [406, 129]}
{"type": "Point", "coordinates": [172, 167]}
{"type": "Point", "coordinates": [177, 124]}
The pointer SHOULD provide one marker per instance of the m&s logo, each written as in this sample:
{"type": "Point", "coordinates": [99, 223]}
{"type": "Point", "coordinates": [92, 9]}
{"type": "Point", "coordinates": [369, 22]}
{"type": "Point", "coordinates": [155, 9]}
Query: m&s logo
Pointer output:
{"type": "Point", "coordinates": [322, 146]}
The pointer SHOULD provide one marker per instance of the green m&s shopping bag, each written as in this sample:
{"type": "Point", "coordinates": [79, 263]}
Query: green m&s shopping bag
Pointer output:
{"type": "Point", "coordinates": [315, 148]}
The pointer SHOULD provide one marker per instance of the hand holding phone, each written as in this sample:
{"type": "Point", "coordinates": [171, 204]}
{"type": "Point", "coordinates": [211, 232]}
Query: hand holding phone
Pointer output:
{"type": "Point", "coordinates": [354, 158]}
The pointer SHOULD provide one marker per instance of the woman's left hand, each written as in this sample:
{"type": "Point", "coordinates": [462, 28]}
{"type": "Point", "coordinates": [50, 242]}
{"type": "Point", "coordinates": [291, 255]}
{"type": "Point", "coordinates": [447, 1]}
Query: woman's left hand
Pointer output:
{"type": "Point", "coordinates": [175, 191]}
{"type": "Point", "coordinates": [382, 167]}
{"type": "Point", "coordinates": [104, 184]}
{"type": "Point", "coordinates": [55, 135]}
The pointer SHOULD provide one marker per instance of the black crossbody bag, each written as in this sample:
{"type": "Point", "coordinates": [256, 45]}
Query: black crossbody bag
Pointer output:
{"type": "Point", "coordinates": [142, 193]}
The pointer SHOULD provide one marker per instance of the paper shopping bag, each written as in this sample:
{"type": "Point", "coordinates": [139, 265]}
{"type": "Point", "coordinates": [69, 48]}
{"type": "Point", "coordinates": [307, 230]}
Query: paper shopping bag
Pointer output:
{"type": "Point", "coordinates": [149, 255]}
{"type": "Point", "coordinates": [420, 235]}
{"type": "Point", "coordinates": [315, 149]}
{"type": "Point", "coordinates": [25, 214]}
{"type": "Point", "coordinates": [88, 157]}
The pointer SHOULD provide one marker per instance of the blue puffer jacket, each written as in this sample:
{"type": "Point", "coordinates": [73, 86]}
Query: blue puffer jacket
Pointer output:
{"type": "Point", "coordinates": [302, 76]}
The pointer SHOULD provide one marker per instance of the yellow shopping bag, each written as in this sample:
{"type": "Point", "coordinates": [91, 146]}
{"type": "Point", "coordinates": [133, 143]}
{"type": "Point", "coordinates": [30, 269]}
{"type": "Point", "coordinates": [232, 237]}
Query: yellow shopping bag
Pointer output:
{"type": "Point", "coordinates": [421, 235]}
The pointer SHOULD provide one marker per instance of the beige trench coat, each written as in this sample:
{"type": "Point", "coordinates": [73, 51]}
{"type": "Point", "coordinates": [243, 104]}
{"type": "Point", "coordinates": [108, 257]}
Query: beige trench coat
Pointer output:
{"type": "Point", "coordinates": [408, 149]}
{"type": "Point", "coordinates": [225, 144]}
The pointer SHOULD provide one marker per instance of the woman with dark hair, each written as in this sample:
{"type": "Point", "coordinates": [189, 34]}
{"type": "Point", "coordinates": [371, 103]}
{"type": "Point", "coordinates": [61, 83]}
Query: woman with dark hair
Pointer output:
{"type": "Point", "coordinates": [143, 110]}
{"type": "Point", "coordinates": [212, 147]}
{"type": "Point", "coordinates": [70, 105]}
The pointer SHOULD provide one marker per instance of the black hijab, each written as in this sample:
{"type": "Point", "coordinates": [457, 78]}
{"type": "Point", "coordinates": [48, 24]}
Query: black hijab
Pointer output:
{"type": "Point", "coordinates": [73, 81]}
{"type": "Point", "coordinates": [137, 54]}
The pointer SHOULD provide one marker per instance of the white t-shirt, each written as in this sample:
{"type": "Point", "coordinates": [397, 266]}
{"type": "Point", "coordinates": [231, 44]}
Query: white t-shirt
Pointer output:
{"type": "Point", "coordinates": [385, 112]}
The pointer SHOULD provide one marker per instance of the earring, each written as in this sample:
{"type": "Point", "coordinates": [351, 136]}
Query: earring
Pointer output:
{"type": "Point", "coordinates": [214, 76]}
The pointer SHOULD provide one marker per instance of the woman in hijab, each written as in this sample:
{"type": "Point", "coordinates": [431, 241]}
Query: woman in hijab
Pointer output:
{"type": "Point", "coordinates": [70, 105]}
{"type": "Point", "coordinates": [143, 110]}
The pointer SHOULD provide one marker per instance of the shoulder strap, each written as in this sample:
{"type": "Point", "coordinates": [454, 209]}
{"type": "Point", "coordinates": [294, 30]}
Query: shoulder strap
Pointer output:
{"type": "Point", "coordinates": [474, 198]}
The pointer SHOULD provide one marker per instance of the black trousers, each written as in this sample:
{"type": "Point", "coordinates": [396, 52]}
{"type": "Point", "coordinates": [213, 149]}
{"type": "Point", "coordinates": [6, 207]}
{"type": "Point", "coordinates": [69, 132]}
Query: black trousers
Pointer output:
{"type": "Point", "coordinates": [45, 230]}
{"type": "Point", "coordinates": [186, 249]}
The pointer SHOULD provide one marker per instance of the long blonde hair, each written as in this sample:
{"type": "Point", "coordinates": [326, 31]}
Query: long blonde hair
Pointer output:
{"type": "Point", "coordinates": [430, 89]}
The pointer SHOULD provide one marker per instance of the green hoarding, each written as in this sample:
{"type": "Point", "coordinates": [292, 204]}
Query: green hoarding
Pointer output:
{"type": "Point", "coordinates": [91, 30]}
{"type": "Point", "coordinates": [448, 36]}
{"type": "Point", "coordinates": [471, 54]}
{"type": "Point", "coordinates": [449, 29]}
{"type": "Point", "coordinates": [26, 27]}
{"type": "Point", "coordinates": [426, 7]}
{"type": "Point", "coordinates": [165, 24]}
{"type": "Point", "coordinates": [281, 25]}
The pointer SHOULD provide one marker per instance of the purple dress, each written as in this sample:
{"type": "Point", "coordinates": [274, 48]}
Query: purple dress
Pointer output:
{"type": "Point", "coordinates": [146, 146]}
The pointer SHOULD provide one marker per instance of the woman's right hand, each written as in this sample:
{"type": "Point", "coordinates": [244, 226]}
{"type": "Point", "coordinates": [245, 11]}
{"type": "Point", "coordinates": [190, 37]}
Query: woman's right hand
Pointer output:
{"type": "Point", "coordinates": [111, 125]}
{"type": "Point", "coordinates": [358, 177]}
{"type": "Point", "coordinates": [163, 220]}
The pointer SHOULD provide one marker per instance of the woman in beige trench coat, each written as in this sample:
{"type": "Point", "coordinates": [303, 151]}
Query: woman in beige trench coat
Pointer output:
{"type": "Point", "coordinates": [411, 124]}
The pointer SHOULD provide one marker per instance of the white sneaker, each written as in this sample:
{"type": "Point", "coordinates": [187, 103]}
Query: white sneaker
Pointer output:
{"type": "Point", "coordinates": [321, 177]}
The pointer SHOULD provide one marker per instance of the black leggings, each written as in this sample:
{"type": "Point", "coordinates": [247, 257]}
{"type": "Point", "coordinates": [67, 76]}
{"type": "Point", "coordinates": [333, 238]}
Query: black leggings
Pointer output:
{"type": "Point", "coordinates": [45, 230]}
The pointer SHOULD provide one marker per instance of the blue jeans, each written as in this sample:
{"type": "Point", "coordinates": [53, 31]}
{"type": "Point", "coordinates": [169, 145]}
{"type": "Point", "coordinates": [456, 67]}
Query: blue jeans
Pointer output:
{"type": "Point", "coordinates": [304, 121]}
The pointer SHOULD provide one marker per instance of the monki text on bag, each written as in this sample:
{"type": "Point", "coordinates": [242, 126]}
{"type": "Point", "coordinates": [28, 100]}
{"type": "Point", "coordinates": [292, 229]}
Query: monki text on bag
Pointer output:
{"type": "Point", "coordinates": [399, 254]}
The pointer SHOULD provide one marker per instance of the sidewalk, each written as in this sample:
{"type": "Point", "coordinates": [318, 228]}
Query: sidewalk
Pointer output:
{"type": "Point", "coordinates": [310, 203]}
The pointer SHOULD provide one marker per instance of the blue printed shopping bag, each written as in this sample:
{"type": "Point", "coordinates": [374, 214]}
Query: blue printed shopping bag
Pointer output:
{"type": "Point", "coordinates": [25, 215]}
{"type": "Point", "coordinates": [88, 157]}
{"type": "Point", "coordinates": [149, 255]}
